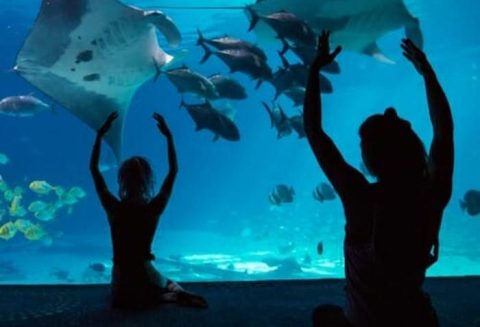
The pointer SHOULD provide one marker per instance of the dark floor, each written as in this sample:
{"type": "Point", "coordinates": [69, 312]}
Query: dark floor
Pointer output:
{"type": "Point", "coordinates": [268, 304]}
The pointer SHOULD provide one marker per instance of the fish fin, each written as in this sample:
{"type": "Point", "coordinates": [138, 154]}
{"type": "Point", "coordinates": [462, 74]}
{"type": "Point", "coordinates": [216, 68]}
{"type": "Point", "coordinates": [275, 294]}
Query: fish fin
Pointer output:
{"type": "Point", "coordinates": [283, 114]}
{"type": "Point", "coordinates": [325, 84]}
{"type": "Point", "coordinates": [269, 113]}
{"type": "Point", "coordinates": [414, 33]}
{"type": "Point", "coordinates": [285, 48]}
{"type": "Point", "coordinates": [285, 62]}
{"type": "Point", "coordinates": [255, 18]}
{"type": "Point", "coordinates": [200, 38]}
{"type": "Point", "coordinates": [216, 137]}
{"type": "Point", "coordinates": [157, 70]}
{"type": "Point", "coordinates": [182, 104]}
{"type": "Point", "coordinates": [166, 26]}
{"type": "Point", "coordinates": [373, 50]}
{"type": "Point", "coordinates": [207, 54]}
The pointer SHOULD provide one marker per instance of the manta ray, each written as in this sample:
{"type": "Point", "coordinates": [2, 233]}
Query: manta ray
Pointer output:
{"type": "Point", "coordinates": [356, 25]}
{"type": "Point", "coordinates": [92, 55]}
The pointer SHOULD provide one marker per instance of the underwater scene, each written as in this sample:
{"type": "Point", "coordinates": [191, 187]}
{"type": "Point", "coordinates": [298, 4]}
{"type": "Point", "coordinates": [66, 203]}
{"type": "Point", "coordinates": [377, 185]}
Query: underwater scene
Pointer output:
{"type": "Point", "coordinates": [250, 201]}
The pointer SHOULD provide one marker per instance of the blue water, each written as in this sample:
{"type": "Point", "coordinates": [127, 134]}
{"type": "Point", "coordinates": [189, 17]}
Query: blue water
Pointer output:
{"type": "Point", "coordinates": [219, 224]}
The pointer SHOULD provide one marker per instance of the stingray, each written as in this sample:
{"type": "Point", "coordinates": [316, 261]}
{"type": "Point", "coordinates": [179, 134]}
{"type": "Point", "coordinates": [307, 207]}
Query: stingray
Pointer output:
{"type": "Point", "coordinates": [92, 55]}
{"type": "Point", "coordinates": [355, 24]}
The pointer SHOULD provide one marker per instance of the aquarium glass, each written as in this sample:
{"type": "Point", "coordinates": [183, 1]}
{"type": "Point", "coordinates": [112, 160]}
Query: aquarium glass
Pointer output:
{"type": "Point", "coordinates": [221, 222]}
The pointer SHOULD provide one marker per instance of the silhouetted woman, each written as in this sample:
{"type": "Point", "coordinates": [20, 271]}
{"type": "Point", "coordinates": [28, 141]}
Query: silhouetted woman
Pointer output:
{"type": "Point", "coordinates": [133, 220]}
{"type": "Point", "coordinates": [392, 225]}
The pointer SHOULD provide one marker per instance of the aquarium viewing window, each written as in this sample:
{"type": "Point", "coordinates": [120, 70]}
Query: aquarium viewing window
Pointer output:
{"type": "Point", "coordinates": [250, 201]}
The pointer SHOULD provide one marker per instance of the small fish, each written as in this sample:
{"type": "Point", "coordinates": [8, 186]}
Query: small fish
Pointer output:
{"type": "Point", "coordinates": [98, 267]}
{"type": "Point", "coordinates": [279, 120]}
{"type": "Point", "coordinates": [36, 206]}
{"type": "Point", "coordinates": [23, 106]}
{"type": "Point", "coordinates": [320, 248]}
{"type": "Point", "coordinates": [324, 192]}
{"type": "Point", "coordinates": [77, 192]}
{"type": "Point", "coordinates": [35, 233]}
{"type": "Point", "coordinates": [46, 214]}
{"type": "Point", "coordinates": [297, 124]}
{"type": "Point", "coordinates": [296, 94]}
{"type": "Point", "coordinates": [281, 194]}
{"type": "Point", "coordinates": [471, 202]}
{"type": "Point", "coordinates": [16, 209]}
{"type": "Point", "coordinates": [4, 159]}
{"type": "Point", "coordinates": [8, 230]}
{"type": "Point", "coordinates": [23, 225]}
{"type": "Point", "coordinates": [41, 187]}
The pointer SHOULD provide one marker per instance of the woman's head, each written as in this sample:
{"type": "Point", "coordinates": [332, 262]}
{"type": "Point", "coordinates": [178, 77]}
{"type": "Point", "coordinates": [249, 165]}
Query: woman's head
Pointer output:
{"type": "Point", "coordinates": [135, 179]}
{"type": "Point", "coordinates": [390, 147]}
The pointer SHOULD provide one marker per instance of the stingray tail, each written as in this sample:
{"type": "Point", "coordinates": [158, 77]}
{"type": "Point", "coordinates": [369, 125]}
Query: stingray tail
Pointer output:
{"type": "Point", "coordinates": [255, 18]}
{"type": "Point", "coordinates": [207, 54]}
{"type": "Point", "coordinates": [414, 33]}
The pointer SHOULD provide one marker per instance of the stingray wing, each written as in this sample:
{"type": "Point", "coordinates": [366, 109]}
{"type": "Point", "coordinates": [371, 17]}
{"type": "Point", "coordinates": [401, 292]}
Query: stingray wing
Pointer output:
{"type": "Point", "coordinates": [91, 56]}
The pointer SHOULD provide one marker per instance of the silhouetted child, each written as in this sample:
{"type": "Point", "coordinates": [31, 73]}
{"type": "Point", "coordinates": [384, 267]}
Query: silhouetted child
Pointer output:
{"type": "Point", "coordinates": [133, 221]}
{"type": "Point", "coordinates": [392, 225]}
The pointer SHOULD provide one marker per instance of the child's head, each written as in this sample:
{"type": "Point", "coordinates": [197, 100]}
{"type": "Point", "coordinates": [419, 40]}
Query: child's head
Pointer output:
{"type": "Point", "coordinates": [135, 179]}
{"type": "Point", "coordinates": [390, 147]}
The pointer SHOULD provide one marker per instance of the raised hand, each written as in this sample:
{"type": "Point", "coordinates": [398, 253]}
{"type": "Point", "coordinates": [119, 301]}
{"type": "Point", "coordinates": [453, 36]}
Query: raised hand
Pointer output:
{"type": "Point", "coordinates": [416, 56]}
{"type": "Point", "coordinates": [107, 124]}
{"type": "Point", "coordinates": [161, 124]}
{"type": "Point", "coordinates": [324, 56]}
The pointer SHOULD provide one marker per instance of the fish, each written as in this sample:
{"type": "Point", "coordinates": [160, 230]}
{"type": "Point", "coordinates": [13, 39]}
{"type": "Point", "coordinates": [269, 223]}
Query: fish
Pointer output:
{"type": "Point", "coordinates": [227, 42]}
{"type": "Point", "coordinates": [320, 248]}
{"type": "Point", "coordinates": [296, 94]}
{"type": "Point", "coordinates": [41, 187]}
{"type": "Point", "coordinates": [307, 54]}
{"type": "Point", "coordinates": [295, 75]}
{"type": "Point", "coordinates": [241, 60]}
{"type": "Point", "coordinates": [188, 81]}
{"type": "Point", "coordinates": [47, 214]}
{"type": "Point", "coordinates": [355, 25]}
{"type": "Point", "coordinates": [297, 124]}
{"type": "Point", "coordinates": [8, 230]}
{"type": "Point", "coordinates": [16, 209]}
{"type": "Point", "coordinates": [77, 192]}
{"type": "Point", "coordinates": [36, 206]}
{"type": "Point", "coordinates": [100, 53]}
{"type": "Point", "coordinates": [228, 88]}
{"type": "Point", "coordinates": [281, 194]}
{"type": "Point", "coordinates": [471, 202]}
{"type": "Point", "coordinates": [23, 106]}
{"type": "Point", "coordinates": [324, 192]}
{"type": "Point", "coordinates": [207, 117]}
{"type": "Point", "coordinates": [4, 159]}
{"type": "Point", "coordinates": [23, 225]}
{"type": "Point", "coordinates": [286, 25]}
{"type": "Point", "coordinates": [34, 233]}
{"type": "Point", "coordinates": [279, 120]}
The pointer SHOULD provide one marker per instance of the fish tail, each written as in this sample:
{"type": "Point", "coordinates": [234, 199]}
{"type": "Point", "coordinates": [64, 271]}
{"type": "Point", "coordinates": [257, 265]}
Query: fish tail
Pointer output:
{"type": "Point", "coordinates": [255, 18]}
{"type": "Point", "coordinates": [269, 112]}
{"type": "Point", "coordinates": [285, 48]}
{"type": "Point", "coordinates": [207, 54]}
{"type": "Point", "coordinates": [200, 39]}
{"type": "Point", "coordinates": [182, 104]}
{"type": "Point", "coordinates": [285, 62]}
